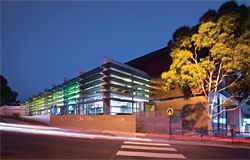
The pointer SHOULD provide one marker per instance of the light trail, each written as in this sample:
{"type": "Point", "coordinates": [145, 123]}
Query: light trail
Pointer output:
{"type": "Point", "coordinates": [53, 131]}
{"type": "Point", "coordinates": [28, 126]}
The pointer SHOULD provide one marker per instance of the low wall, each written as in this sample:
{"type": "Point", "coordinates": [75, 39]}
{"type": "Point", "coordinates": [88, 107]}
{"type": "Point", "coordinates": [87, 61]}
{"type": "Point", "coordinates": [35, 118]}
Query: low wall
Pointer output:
{"type": "Point", "coordinates": [121, 123]}
{"type": "Point", "coordinates": [38, 118]}
{"type": "Point", "coordinates": [12, 111]}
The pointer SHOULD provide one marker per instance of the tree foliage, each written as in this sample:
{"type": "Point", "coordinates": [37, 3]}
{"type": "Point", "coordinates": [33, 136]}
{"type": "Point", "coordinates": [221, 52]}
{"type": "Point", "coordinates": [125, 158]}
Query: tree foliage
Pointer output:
{"type": "Point", "coordinates": [7, 95]}
{"type": "Point", "coordinates": [213, 57]}
{"type": "Point", "coordinates": [210, 15]}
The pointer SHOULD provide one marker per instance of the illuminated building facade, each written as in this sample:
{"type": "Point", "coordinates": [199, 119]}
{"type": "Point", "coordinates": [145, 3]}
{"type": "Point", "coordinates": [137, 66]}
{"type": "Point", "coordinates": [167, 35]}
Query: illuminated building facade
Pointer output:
{"type": "Point", "coordinates": [117, 88]}
{"type": "Point", "coordinates": [113, 88]}
{"type": "Point", "coordinates": [91, 92]}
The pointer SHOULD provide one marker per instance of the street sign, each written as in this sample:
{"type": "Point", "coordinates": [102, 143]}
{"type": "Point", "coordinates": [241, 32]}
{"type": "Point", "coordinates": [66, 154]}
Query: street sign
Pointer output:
{"type": "Point", "coordinates": [170, 111]}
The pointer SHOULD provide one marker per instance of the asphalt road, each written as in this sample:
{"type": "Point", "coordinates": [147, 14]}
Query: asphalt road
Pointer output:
{"type": "Point", "coordinates": [31, 146]}
{"type": "Point", "coordinates": [28, 146]}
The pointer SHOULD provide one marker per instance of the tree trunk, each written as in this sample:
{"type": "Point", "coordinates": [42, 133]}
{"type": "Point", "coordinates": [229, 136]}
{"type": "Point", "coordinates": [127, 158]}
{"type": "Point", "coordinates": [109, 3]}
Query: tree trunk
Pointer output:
{"type": "Point", "coordinates": [209, 126]}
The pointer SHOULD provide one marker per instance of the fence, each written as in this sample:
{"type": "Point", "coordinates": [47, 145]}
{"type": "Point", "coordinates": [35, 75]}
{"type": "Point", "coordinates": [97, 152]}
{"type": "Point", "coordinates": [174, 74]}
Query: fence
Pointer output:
{"type": "Point", "coordinates": [230, 134]}
{"type": "Point", "coordinates": [158, 122]}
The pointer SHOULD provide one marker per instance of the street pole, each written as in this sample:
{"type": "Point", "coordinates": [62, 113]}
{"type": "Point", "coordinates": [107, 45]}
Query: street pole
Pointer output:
{"type": "Point", "coordinates": [170, 128]}
{"type": "Point", "coordinates": [133, 94]}
{"type": "Point", "coordinates": [170, 113]}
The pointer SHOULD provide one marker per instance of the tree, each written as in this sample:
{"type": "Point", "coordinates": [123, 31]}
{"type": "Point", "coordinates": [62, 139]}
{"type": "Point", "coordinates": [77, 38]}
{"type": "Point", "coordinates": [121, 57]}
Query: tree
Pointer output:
{"type": "Point", "coordinates": [228, 7]}
{"type": "Point", "coordinates": [215, 59]}
{"type": "Point", "coordinates": [7, 95]}
{"type": "Point", "coordinates": [210, 15]}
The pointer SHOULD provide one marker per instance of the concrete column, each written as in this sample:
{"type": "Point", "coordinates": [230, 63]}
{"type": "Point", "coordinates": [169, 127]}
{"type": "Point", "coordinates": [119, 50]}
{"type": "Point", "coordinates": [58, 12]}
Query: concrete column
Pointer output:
{"type": "Point", "coordinates": [106, 89]}
{"type": "Point", "coordinates": [106, 106]}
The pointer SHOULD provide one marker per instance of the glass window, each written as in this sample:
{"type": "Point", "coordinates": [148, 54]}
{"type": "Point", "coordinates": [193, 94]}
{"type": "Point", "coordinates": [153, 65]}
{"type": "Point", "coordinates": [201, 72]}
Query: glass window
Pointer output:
{"type": "Point", "coordinates": [120, 110]}
{"type": "Point", "coordinates": [120, 107]}
{"type": "Point", "coordinates": [120, 104]}
{"type": "Point", "coordinates": [93, 87]}
{"type": "Point", "coordinates": [92, 81]}
{"type": "Point", "coordinates": [141, 78]}
{"type": "Point", "coordinates": [138, 106]}
{"type": "Point", "coordinates": [120, 84]}
{"type": "Point", "coordinates": [93, 108]}
{"type": "Point", "coordinates": [120, 71]}
{"type": "Point", "coordinates": [120, 96]}
{"type": "Point", "coordinates": [121, 78]}
{"type": "Point", "coordinates": [97, 97]}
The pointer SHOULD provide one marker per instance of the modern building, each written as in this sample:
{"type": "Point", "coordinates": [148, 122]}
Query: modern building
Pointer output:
{"type": "Point", "coordinates": [113, 88]}
{"type": "Point", "coordinates": [118, 88]}
{"type": "Point", "coordinates": [153, 63]}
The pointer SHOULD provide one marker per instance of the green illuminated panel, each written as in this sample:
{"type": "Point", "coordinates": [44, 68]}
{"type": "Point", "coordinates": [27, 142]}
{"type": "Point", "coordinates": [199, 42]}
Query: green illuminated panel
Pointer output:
{"type": "Point", "coordinates": [27, 106]}
{"type": "Point", "coordinates": [41, 103]}
{"type": "Point", "coordinates": [58, 97]}
{"type": "Point", "coordinates": [71, 93]}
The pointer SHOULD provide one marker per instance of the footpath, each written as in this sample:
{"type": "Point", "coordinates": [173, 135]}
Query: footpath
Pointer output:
{"type": "Point", "coordinates": [177, 139]}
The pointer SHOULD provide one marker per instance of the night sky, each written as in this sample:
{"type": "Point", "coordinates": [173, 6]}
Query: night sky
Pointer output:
{"type": "Point", "coordinates": [44, 42]}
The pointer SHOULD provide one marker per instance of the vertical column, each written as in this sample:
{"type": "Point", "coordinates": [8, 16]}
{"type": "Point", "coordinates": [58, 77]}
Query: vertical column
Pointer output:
{"type": "Point", "coordinates": [106, 106]}
{"type": "Point", "coordinates": [106, 88]}
{"type": "Point", "coordinates": [133, 88]}
{"type": "Point", "coordinates": [218, 110]}
{"type": "Point", "coordinates": [81, 95]}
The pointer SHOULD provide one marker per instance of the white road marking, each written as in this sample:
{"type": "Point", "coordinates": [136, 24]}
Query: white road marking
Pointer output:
{"type": "Point", "coordinates": [148, 148]}
{"type": "Point", "coordinates": [144, 143]}
{"type": "Point", "coordinates": [150, 154]}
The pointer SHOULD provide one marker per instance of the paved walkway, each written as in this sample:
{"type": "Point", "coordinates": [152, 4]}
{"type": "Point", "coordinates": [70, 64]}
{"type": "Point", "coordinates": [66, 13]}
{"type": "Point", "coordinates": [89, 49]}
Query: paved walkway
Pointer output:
{"type": "Point", "coordinates": [212, 141]}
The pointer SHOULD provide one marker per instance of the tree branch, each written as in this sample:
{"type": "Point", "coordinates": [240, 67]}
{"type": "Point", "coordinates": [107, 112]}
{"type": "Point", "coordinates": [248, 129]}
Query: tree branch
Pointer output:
{"type": "Point", "coordinates": [215, 107]}
{"type": "Point", "coordinates": [223, 76]}
{"type": "Point", "coordinates": [210, 81]}
{"type": "Point", "coordinates": [203, 89]}
{"type": "Point", "coordinates": [195, 55]}
{"type": "Point", "coordinates": [225, 110]}
{"type": "Point", "coordinates": [194, 60]}
{"type": "Point", "coordinates": [218, 76]}
{"type": "Point", "coordinates": [215, 90]}
{"type": "Point", "coordinates": [230, 84]}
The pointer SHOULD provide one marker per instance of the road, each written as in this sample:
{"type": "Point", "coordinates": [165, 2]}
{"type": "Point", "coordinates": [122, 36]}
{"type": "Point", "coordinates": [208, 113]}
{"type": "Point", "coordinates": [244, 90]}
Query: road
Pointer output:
{"type": "Point", "coordinates": [34, 146]}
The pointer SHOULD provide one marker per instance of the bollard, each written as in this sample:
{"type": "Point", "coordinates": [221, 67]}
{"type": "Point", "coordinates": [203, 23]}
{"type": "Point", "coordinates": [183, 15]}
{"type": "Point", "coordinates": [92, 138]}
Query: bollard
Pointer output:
{"type": "Point", "coordinates": [232, 134]}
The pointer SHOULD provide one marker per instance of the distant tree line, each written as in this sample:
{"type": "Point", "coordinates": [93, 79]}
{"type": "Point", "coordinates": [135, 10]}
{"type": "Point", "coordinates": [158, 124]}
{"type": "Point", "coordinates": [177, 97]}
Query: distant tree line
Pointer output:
{"type": "Point", "coordinates": [7, 96]}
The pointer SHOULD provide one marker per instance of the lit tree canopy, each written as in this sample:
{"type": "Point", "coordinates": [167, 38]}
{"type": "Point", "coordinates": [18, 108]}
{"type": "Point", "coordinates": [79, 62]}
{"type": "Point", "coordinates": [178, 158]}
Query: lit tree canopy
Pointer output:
{"type": "Point", "coordinates": [213, 58]}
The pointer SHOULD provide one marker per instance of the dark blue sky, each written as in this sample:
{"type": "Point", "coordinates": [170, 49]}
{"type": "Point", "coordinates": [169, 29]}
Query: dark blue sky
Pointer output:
{"type": "Point", "coordinates": [44, 42]}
